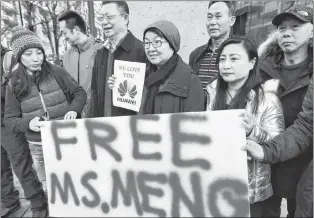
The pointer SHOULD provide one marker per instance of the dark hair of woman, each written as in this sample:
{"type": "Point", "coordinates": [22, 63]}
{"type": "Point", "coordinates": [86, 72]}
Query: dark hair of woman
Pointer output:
{"type": "Point", "coordinates": [252, 82]}
{"type": "Point", "coordinates": [21, 81]}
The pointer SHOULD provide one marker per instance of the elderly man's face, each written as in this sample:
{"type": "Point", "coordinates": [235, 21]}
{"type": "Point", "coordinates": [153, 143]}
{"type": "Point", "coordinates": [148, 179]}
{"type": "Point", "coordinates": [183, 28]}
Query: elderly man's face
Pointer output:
{"type": "Point", "coordinates": [294, 34]}
{"type": "Point", "coordinates": [219, 20]}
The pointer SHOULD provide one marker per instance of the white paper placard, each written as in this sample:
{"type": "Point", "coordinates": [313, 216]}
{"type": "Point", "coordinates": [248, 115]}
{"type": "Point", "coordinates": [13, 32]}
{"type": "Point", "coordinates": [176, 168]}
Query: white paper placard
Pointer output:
{"type": "Point", "coordinates": [169, 165]}
{"type": "Point", "coordinates": [128, 89]}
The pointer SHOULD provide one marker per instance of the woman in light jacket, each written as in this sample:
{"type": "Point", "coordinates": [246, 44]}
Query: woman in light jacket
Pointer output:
{"type": "Point", "coordinates": [238, 87]}
{"type": "Point", "coordinates": [37, 91]}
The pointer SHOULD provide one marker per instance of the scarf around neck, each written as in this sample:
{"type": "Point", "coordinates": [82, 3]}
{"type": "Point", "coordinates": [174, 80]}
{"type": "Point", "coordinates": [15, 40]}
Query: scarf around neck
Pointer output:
{"type": "Point", "coordinates": [155, 78]}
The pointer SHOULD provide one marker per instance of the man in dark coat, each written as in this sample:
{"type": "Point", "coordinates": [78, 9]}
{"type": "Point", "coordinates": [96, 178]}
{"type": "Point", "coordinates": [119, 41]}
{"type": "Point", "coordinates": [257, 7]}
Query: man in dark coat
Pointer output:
{"type": "Point", "coordinates": [296, 140]}
{"type": "Point", "coordinates": [121, 44]}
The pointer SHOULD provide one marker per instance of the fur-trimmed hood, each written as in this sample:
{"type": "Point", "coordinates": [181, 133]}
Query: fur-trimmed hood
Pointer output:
{"type": "Point", "coordinates": [271, 86]}
{"type": "Point", "coordinates": [271, 49]}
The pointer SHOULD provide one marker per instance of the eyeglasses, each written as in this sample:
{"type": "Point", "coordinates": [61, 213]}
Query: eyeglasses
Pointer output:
{"type": "Point", "coordinates": [155, 44]}
{"type": "Point", "coordinates": [108, 18]}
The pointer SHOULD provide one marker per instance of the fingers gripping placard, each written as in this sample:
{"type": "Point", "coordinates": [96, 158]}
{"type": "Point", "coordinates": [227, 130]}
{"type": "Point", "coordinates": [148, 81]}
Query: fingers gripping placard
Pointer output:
{"type": "Point", "coordinates": [188, 164]}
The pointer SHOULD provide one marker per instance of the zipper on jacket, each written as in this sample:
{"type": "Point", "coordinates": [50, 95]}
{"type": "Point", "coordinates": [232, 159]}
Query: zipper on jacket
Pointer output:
{"type": "Point", "coordinates": [78, 66]}
{"type": "Point", "coordinates": [45, 116]}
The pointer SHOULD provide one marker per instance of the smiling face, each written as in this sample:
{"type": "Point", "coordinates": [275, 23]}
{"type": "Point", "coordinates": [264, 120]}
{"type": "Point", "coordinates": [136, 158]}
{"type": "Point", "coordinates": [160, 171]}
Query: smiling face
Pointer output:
{"type": "Point", "coordinates": [32, 59]}
{"type": "Point", "coordinates": [234, 64]}
{"type": "Point", "coordinates": [113, 20]}
{"type": "Point", "coordinates": [294, 34]}
{"type": "Point", "coordinates": [159, 55]}
{"type": "Point", "coordinates": [70, 36]}
{"type": "Point", "coordinates": [219, 20]}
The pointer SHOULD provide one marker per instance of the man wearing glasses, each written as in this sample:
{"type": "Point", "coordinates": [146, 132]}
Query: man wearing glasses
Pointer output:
{"type": "Point", "coordinates": [79, 58]}
{"type": "Point", "coordinates": [121, 44]}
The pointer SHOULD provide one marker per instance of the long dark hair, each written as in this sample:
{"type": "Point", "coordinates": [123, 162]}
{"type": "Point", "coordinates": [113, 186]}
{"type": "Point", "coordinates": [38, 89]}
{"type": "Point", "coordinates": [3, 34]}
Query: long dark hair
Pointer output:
{"type": "Point", "coordinates": [21, 81]}
{"type": "Point", "coordinates": [252, 82]}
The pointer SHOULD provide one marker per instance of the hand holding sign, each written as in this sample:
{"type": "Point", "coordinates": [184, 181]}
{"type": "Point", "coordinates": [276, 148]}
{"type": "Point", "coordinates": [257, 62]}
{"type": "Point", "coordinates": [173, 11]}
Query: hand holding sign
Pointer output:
{"type": "Point", "coordinates": [127, 84]}
{"type": "Point", "coordinates": [111, 81]}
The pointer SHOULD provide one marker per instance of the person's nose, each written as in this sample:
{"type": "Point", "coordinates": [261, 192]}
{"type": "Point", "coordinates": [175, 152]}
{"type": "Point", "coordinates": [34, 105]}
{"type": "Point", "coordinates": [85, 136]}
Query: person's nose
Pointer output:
{"type": "Point", "coordinates": [287, 33]}
{"type": "Point", "coordinates": [104, 22]}
{"type": "Point", "coordinates": [35, 57]}
{"type": "Point", "coordinates": [226, 64]}
{"type": "Point", "coordinates": [151, 47]}
{"type": "Point", "coordinates": [212, 21]}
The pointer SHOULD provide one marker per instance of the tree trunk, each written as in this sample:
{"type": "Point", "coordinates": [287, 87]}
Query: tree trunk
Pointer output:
{"type": "Point", "coordinates": [29, 16]}
{"type": "Point", "coordinates": [56, 39]}
{"type": "Point", "coordinates": [46, 24]}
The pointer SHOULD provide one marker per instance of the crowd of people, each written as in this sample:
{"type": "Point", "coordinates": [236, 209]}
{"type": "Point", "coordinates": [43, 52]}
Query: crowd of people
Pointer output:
{"type": "Point", "coordinates": [272, 82]}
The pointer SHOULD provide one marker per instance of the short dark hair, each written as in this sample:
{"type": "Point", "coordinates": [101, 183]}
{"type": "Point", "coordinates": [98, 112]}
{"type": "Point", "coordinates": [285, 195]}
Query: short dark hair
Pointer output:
{"type": "Point", "coordinates": [73, 19]}
{"type": "Point", "coordinates": [122, 5]}
{"type": "Point", "coordinates": [231, 5]}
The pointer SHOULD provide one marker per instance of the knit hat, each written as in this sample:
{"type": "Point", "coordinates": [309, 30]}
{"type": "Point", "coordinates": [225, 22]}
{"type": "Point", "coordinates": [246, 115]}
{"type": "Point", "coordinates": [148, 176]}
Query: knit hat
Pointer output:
{"type": "Point", "coordinates": [23, 39]}
{"type": "Point", "coordinates": [169, 30]}
{"type": "Point", "coordinates": [301, 12]}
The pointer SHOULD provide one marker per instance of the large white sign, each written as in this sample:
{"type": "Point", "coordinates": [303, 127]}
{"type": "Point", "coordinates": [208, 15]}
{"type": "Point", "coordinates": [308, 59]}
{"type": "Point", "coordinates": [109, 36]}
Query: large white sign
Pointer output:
{"type": "Point", "coordinates": [128, 89]}
{"type": "Point", "coordinates": [171, 165]}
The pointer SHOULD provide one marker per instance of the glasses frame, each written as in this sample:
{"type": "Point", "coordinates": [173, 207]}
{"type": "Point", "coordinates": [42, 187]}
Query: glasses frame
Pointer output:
{"type": "Point", "coordinates": [109, 18]}
{"type": "Point", "coordinates": [153, 43]}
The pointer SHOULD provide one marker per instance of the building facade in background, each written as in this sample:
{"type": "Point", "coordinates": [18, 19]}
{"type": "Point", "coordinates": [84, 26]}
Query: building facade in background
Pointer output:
{"type": "Point", "coordinates": [254, 17]}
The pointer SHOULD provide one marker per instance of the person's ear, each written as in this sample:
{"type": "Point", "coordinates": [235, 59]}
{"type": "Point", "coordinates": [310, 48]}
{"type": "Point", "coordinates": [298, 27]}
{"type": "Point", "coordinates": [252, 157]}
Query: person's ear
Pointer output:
{"type": "Point", "coordinates": [77, 30]}
{"type": "Point", "coordinates": [232, 20]}
{"type": "Point", "coordinates": [253, 62]}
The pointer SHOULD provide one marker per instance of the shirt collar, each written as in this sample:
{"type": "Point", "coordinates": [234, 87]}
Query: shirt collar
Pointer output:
{"type": "Point", "coordinates": [112, 47]}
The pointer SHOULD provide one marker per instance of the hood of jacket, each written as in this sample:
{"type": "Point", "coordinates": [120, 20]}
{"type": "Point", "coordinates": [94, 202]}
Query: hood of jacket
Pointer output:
{"type": "Point", "coordinates": [274, 53]}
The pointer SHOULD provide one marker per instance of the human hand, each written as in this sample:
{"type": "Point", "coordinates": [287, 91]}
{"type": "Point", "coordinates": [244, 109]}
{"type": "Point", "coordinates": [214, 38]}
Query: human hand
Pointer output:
{"type": "Point", "coordinates": [111, 81]}
{"type": "Point", "coordinates": [254, 150]}
{"type": "Point", "coordinates": [71, 115]}
{"type": "Point", "coordinates": [248, 122]}
{"type": "Point", "coordinates": [35, 124]}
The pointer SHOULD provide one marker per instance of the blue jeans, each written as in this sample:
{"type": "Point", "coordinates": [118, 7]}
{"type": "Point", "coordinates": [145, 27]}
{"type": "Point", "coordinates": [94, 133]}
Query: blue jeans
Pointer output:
{"type": "Point", "coordinates": [39, 163]}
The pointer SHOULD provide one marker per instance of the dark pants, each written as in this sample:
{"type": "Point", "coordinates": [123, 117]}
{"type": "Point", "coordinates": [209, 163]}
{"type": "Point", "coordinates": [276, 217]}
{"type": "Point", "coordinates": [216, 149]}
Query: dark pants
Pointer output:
{"type": "Point", "coordinates": [15, 150]}
{"type": "Point", "coordinates": [258, 209]}
{"type": "Point", "coordinates": [273, 206]}
{"type": "Point", "coordinates": [9, 195]}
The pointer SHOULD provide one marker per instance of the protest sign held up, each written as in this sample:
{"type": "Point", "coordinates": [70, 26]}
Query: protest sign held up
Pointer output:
{"type": "Point", "coordinates": [129, 85]}
{"type": "Point", "coordinates": [187, 164]}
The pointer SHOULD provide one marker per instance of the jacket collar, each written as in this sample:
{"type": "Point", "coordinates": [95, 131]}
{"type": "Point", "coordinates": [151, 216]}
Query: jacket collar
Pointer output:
{"type": "Point", "coordinates": [271, 68]}
{"type": "Point", "coordinates": [206, 47]}
{"type": "Point", "coordinates": [179, 82]}
{"type": "Point", "coordinates": [127, 42]}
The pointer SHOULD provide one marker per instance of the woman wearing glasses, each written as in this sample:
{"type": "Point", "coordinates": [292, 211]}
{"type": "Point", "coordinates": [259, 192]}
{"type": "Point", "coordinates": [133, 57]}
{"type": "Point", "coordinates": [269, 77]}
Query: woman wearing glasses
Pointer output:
{"type": "Point", "coordinates": [238, 87]}
{"type": "Point", "coordinates": [170, 85]}
{"type": "Point", "coordinates": [37, 91]}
